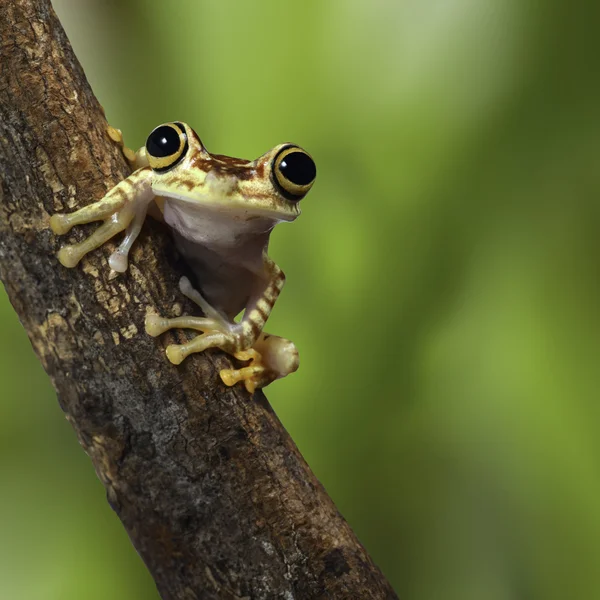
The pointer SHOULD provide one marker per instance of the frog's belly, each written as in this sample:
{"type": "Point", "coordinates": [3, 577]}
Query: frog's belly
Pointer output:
{"type": "Point", "coordinates": [225, 257]}
{"type": "Point", "coordinates": [225, 285]}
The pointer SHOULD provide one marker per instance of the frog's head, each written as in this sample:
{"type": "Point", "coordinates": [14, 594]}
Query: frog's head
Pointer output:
{"type": "Point", "coordinates": [270, 186]}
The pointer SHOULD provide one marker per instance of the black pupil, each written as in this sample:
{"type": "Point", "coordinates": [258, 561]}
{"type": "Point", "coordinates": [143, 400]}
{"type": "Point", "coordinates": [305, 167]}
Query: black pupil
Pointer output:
{"type": "Point", "coordinates": [299, 168]}
{"type": "Point", "coordinates": [163, 141]}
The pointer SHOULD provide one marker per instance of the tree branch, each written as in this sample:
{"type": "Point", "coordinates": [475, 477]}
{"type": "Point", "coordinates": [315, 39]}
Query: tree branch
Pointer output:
{"type": "Point", "coordinates": [211, 489]}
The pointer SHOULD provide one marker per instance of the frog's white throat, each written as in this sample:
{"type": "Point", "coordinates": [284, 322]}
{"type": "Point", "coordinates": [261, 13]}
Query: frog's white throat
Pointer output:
{"type": "Point", "coordinates": [204, 225]}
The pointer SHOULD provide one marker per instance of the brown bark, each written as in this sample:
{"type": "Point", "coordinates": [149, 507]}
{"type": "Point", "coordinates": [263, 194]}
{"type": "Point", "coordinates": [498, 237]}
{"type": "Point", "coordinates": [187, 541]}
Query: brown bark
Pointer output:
{"type": "Point", "coordinates": [211, 489]}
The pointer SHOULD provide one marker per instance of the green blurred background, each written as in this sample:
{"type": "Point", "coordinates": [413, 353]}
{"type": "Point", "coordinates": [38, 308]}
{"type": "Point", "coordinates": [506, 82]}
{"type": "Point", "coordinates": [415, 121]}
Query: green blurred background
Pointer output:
{"type": "Point", "coordinates": [443, 283]}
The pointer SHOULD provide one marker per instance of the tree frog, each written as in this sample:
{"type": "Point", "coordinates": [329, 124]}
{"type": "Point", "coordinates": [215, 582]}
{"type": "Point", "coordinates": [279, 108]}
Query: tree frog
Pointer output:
{"type": "Point", "coordinates": [221, 210]}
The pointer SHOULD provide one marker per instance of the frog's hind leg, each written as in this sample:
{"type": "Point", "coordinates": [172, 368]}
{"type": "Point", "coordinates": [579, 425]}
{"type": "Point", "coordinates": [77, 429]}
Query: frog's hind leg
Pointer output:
{"type": "Point", "coordinates": [186, 288]}
{"type": "Point", "coordinates": [271, 357]}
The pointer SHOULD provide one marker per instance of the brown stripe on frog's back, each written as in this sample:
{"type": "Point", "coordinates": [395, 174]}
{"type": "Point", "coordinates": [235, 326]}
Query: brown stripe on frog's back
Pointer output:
{"type": "Point", "coordinates": [260, 169]}
{"type": "Point", "coordinates": [199, 162]}
{"type": "Point", "coordinates": [230, 160]}
{"type": "Point", "coordinates": [223, 164]}
{"type": "Point", "coordinates": [237, 167]}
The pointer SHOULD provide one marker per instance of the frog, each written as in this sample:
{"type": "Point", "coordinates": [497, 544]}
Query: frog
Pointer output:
{"type": "Point", "coordinates": [221, 211]}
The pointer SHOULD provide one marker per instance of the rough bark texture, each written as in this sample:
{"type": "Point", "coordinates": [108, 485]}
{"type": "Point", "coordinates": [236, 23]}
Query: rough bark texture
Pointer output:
{"type": "Point", "coordinates": [211, 489]}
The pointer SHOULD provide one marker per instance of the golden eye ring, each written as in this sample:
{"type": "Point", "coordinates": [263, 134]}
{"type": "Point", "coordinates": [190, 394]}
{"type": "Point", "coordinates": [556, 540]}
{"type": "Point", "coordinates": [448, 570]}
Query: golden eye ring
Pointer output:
{"type": "Point", "coordinates": [166, 146]}
{"type": "Point", "coordinates": [294, 172]}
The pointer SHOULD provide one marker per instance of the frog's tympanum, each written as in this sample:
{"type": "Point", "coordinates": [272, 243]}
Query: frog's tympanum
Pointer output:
{"type": "Point", "coordinates": [221, 210]}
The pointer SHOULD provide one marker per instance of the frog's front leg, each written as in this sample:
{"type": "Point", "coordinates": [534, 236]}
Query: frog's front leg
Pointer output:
{"type": "Point", "coordinates": [135, 159]}
{"type": "Point", "coordinates": [123, 207]}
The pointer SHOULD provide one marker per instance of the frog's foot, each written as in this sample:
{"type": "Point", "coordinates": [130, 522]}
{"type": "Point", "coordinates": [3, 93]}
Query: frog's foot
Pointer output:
{"type": "Point", "coordinates": [70, 255]}
{"type": "Point", "coordinates": [116, 135]}
{"type": "Point", "coordinates": [122, 208]}
{"type": "Point", "coordinates": [255, 375]}
{"type": "Point", "coordinates": [218, 331]}
{"type": "Point", "coordinates": [216, 334]}
{"type": "Point", "coordinates": [271, 358]}
{"type": "Point", "coordinates": [129, 218]}
{"type": "Point", "coordinates": [137, 159]}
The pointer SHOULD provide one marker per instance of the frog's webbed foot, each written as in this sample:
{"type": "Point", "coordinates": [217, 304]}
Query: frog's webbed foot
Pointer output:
{"type": "Point", "coordinates": [271, 358]}
{"type": "Point", "coordinates": [215, 335]}
{"type": "Point", "coordinates": [122, 208]}
{"type": "Point", "coordinates": [218, 332]}
{"type": "Point", "coordinates": [116, 135]}
{"type": "Point", "coordinates": [135, 159]}
{"type": "Point", "coordinates": [254, 376]}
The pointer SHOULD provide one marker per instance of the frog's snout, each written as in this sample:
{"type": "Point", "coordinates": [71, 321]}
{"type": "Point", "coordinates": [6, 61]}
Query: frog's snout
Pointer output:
{"type": "Point", "coordinates": [220, 184]}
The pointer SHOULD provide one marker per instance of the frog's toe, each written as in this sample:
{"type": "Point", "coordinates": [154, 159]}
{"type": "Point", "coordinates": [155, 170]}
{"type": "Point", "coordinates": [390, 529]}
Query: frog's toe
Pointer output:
{"type": "Point", "coordinates": [116, 135]}
{"type": "Point", "coordinates": [69, 256]}
{"type": "Point", "coordinates": [253, 377]}
{"type": "Point", "coordinates": [60, 224]}
{"type": "Point", "coordinates": [176, 353]}
{"type": "Point", "coordinates": [156, 325]}
{"type": "Point", "coordinates": [118, 261]}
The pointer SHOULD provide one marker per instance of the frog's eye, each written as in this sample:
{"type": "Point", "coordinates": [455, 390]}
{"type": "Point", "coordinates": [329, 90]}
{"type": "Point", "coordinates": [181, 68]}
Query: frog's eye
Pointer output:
{"type": "Point", "coordinates": [294, 172]}
{"type": "Point", "coordinates": [166, 146]}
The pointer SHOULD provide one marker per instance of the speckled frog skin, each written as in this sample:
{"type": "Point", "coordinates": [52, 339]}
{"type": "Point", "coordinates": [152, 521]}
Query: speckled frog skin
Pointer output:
{"type": "Point", "coordinates": [221, 210]}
